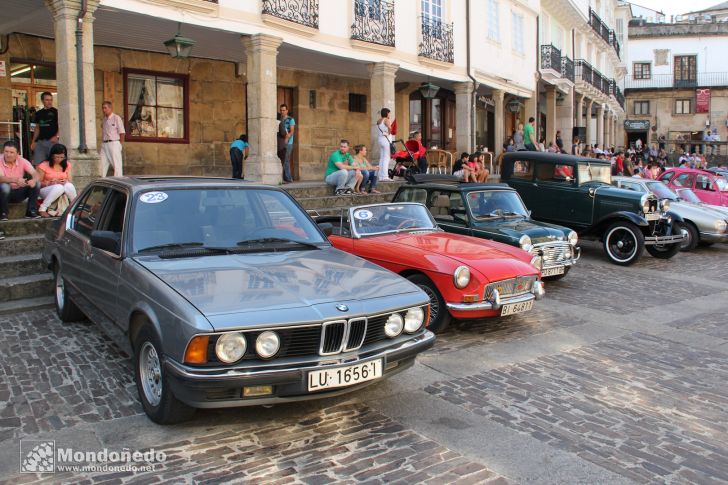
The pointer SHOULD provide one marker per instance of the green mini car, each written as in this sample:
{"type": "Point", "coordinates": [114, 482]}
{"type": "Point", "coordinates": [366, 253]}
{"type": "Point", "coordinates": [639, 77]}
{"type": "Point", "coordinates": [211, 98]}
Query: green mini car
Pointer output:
{"type": "Point", "coordinates": [495, 212]}
{"type": "Point", "coordinates": [576, 192]}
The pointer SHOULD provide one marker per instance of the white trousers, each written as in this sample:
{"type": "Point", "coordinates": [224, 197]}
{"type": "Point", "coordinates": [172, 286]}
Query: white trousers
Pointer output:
{"type": "Point", "coordinates": [111, 155]}
{"type": "Point", "coordinates": [51, 192]}
{"type": "Point", "coordinates": [384, 157]}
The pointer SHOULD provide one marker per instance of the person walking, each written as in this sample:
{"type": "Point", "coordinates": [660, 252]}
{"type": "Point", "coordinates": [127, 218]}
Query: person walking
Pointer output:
{"type": "Point", "coordinates": [529, 135]}
{"type": "Point", "coordinates": [45, 134]}
{"type": "Point", "coordinates": [384, 128]}
{"type": "Point", "coordinates": [559, 141]}
{"type": "Point", "coordinates": [286, 131]}
{"type": "Point", "coordinates": [575, 146]}
{"type": "Point", "coordinates": [15, 186]}
{"type": "Point", "coordinates": [55, 179]}
{"type": "Point", "coordinates": [239, 150]}
{"type": "Point", "coordinates": [112, 135]}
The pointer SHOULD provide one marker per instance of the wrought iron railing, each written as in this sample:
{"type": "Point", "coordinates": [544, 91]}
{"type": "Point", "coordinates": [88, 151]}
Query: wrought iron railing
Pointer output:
{"type": "Point", "coordinates": [620, 97]}
{"type": "Point", "coordinates": [697, 80]}
{"type": "Point", "coordinates": [550, 58]}
{"type": "Point", "coordinates": [437, 40]}
{"type": "Point", "coordinates": [373, 22]}
{"type": "Point", "coordinates": [304, 12]}
{"type": "Point", "coordinates": [614, 43]}
{"type": "Point", "coordinates": [583, 71]}
{"type": "Point", "coordinates": [609, 36]}
{"type": "Point", "coordinates": [567, 68]}
{"type": "Point", "coordinates": [612, 88]}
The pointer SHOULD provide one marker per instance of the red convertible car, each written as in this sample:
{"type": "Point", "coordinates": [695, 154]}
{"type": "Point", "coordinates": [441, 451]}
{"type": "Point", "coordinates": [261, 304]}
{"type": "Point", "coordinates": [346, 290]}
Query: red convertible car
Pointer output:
{"type": "Point", "coordinates": [465, 277]}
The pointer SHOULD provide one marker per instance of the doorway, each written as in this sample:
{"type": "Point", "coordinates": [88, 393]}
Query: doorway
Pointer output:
{"type": "Point", "coordinates": [29, 80]}
{"type": "Point", "coordinates": [633, 136]}
{"type": "Point", "coordinates": [287, 96]}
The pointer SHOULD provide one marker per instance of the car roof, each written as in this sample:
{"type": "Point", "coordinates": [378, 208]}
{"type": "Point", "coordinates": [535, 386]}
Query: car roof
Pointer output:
{"type": "Point", "coordinates": [461, 186]}
{"type": "Point", "coordinates": [550, 157]}
{"type": "Point", "coordinates": [141, 183]}
{"type": "Point", "coordinates": [690, 170]}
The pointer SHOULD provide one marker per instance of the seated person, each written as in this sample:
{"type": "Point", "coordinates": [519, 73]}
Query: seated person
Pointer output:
{"type": "Point", "coordinates": [419, 155]}
{"type": "Point", "coordinates": [18, 181]}
{"type": "Point", "coordinates": [482, 171]}
{"type": "Point", "coordinates": [460, 166]}
{"type": "Point", "coordinates": [563, 172]}
{"type": "Point", "coordinates": [340, 171]}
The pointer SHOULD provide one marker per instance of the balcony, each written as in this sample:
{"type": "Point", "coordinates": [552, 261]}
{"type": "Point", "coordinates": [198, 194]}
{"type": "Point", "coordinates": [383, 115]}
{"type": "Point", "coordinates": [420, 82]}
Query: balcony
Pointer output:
{"type": "Point", "coordinates": [551, 58]}
{"type": "Point", "coordinates": [301, 12]}
{"type": "Point", "coordinates": [620, 97]}
{"type": "Point", "coordinates": [567, 68]}
{"type": "Point", "coordinates": [583, 71]}
{"type": "Point", "coordinates": [614, 43]}
{"type": "Point", "coordinates": [668, 81]}
{"type": "Point", "coordinates": [436, 40]}
{"type": "Point", "coordinates": [603, 31]}
{"type": "Point", "coordinates": [373, 22]}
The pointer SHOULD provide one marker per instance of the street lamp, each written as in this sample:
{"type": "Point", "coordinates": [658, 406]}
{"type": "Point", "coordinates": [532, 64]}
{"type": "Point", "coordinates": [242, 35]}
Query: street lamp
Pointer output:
{"type": "Point", "coordinates": [178, 46]}
{"type": "Point", "coordinates": [429, 90]}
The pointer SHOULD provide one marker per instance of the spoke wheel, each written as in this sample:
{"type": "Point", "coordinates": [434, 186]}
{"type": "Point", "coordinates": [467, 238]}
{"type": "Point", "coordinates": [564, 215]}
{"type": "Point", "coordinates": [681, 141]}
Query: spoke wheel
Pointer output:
{"type": "Point", "coordinates": [439, 316]}
{"type": "Point", "coordinates": [623, 243]}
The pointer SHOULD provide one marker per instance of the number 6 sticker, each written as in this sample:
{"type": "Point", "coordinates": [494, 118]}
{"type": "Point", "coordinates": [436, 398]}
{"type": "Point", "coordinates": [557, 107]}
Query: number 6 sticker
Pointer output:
{"type": "Point", "coordinates": [153, 197]}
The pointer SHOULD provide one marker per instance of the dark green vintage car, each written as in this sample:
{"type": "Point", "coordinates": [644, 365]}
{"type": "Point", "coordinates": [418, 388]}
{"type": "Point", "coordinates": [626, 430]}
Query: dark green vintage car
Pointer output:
{"type": "Point", "coordinates": [496, 212]}
{"type": "Point", "coordinates": [576, 192]}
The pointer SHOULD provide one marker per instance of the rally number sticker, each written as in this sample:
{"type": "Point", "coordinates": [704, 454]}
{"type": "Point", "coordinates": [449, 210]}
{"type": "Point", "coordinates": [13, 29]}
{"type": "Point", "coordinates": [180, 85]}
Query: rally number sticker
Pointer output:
{"type": "Point", "coordinates": [363, 214]}
{"type": "Point", "coordinates": [153, 197]}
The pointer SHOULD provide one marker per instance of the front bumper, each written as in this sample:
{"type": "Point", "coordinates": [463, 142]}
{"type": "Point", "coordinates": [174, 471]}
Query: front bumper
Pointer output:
{"type": "Point", "coordinates": [550, 250]}
{"type": "Point", "coordinates": [496, 304]}
{"type": "Point", "coordinates": [714, 237]}
{"type": "Point", "coordinates": [217, 388]}
{"type": "Point", "coordinates": [664, 240]}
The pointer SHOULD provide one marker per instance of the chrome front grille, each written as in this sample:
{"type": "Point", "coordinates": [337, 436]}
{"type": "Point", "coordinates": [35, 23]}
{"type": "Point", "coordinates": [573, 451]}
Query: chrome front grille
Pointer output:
{"type": "Point", "coordinates": [517, 286]}
{"type": "Point", "coordinates": [342, 335]}
{"type": "Point", "coordinates": [553, 253]}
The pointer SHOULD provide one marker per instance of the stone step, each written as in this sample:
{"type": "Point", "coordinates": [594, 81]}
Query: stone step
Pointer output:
{"type": "Point", "coordinates": [335, 201]}
{"type": "Point", "coordinates": [24, 264]}
{"type": "Point", "coordinates": [18, 245]}
{"type": "Point", "coordinates": [22, 227]}
{"type": "Point", "coordinates": [29, 286]}
{"type": "Point", "coordinates": [26, 304]}
{"type": "Point", "coordinates": [320, 189]}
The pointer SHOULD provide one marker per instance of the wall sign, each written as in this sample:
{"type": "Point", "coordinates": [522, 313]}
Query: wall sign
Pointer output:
{"type": "Point", "coordinates": [702, 100]}
{"type": "Point", "coordinates": [636, 125]}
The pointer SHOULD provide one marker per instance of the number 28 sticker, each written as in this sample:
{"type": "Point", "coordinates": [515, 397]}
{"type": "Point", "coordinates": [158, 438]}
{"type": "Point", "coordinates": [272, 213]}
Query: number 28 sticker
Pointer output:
{"type": "Point", "coordinates": [153, 197]}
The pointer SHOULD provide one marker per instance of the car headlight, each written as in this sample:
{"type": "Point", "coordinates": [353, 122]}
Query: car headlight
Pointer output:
{"type": "Point", "coordinates": [393, 326]}
{"type": "Point", "coordinates": [461, 277]}
{"type": "Point", "coordinates": [413, 319]}
{"type": "Point", "coordinates": [720, 225]}
{"type": "Point", "coordinates": [230, 347]}
{"type": "Point", "coordinates": [537, 262]}
{"type": "Point", "coordinates": [573, 238]}
{"type": "Point", "coordinates": [645, 201]}
{"type": "Point", "coordinates": [525, 243]}
{"type": "Point", "coordinates": [665, 205]}
{"type": "Point", "coordinates": [267, 344]}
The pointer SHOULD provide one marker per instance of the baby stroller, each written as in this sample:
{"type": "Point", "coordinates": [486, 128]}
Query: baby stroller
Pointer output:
{"type": "Point", "coordinates": [405, 164]}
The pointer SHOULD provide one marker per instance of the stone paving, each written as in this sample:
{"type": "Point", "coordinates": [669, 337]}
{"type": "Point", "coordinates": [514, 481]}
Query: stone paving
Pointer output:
{"type": "Point", "coordinates": [618, 376]}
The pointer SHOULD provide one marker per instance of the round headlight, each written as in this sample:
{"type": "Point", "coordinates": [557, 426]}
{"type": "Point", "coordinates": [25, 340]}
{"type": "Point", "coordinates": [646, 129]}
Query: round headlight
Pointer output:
{"type": "Point", "coordinates": [573, 238]}
{"type": "Point", "coordinates": [645, 201]}
{"type": "Point", "coordinates": [461, 277]}
{"type": "Point", "coordinates": [665, 204]}
{"type": "Point", "coordinates": [230, 347]}
{"type": "Point", "coordinates": [720, 225]}
{"type": "Point", "coordinates": [537, 262]}
{"type": "Point", "coordinates": [267, 344]}
{"type": "Point", "coordinates": [525, 243]}
{"type": "Point", "coordinates": [413, 319]}
{"type": "Point", "coordinates": [393, 326]}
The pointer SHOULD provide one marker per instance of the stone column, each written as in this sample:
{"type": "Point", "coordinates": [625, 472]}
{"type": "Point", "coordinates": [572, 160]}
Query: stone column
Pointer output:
{"type": "Point", "coordinates": [579, 100]}
{"type": "Point", "coordinates": [610, 129]}
{"type": "Point", "coordinates": [65, 14]}
{"type": "Point", "coordinates": [587, 121]}
{"type": "Point", "coordinates": [381, 85]}
{"type": "Point", "coordinates": [263, 164]}
{"type": "Point", "coordinates": [565, 120]}
{"type": "Point", "coordinates": [499, 133]}
{"type": "Point", "coordinates": [463, 116]}
{"type": "Point", "coordinates": [550, 131]}
{"type": "Point", "coordinates": [600, 126]}
{"type": "Point", "coordinates": [530, 110]}
{"type": "Point", "coordinates": [618, 137]}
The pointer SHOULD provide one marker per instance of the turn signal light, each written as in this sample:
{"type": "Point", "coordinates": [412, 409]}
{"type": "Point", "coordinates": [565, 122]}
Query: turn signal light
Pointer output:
{"type": "Point", "coordinates": [196, 352]}
{"type": "Point", "coordinates": [471, 298]}
{"type": "Point", "coordinates": [254, 391]}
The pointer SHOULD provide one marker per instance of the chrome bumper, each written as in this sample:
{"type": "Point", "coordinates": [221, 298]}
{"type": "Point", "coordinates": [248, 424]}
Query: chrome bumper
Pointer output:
{"type": "Point", "coordinates": [496, 303]}
{"type": "Point", "coordinates": [662, 240]}
{"type": "Point", "coordinates": [539, 249]}
{"type": "Point", "coordinates": [715, 236]}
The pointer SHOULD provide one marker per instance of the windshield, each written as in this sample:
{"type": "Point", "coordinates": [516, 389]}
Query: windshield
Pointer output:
{"type": "Point", "coordinates": [722, 183]}
{"type": "Point", "coordinates": [661, 190]}
{"type": "Point", "coordinates": [594, 173]}
{"type": "Point", "coordinates": [218, 218]}
{"type": "Point", "coordinates": [496, 204]}
{"type": "Point", "coordinates": [380, 219]}
{"type": "Point", "coordinates": [688, 195]}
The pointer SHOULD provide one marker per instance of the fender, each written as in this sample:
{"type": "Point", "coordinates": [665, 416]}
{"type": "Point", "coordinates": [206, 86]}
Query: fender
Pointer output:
{"type": "Point", "coordinates": [625, 216]}
{"type": "Point", "coordinates": [675, 216]}
{"type": "Point", "coordinates": [145, 309]}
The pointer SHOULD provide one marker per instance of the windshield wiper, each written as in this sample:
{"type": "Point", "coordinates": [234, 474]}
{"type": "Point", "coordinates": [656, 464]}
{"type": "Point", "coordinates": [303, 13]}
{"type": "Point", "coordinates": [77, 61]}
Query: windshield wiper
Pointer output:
{"type": "Point", "coordinates": [274, 240]}
{"type": "Point", "coordinates": [160, 247]}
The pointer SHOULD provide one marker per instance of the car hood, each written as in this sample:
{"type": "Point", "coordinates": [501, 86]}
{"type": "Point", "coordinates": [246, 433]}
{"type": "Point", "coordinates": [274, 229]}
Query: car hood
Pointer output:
{"type": "Point", "coordinates": [693, 211]}
{"type": "Point", "coordinates": [263, 284]}
{"type": "Point", "coordinates": [513, 229]}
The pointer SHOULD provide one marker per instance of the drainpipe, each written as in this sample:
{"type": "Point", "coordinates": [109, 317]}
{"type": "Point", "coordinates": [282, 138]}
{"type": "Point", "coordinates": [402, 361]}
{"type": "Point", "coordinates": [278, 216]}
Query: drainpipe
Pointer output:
{"type": "Point", "coordinates": [538, 72]}
{"type": "Point", "coordinates": [475, 83]}
{"type": "Point", "coordinates": [79, 79]}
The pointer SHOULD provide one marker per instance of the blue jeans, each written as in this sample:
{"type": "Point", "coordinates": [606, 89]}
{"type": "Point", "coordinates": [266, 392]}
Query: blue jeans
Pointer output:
{"type": "Point", "coordinates": [8, 195]}
{"type": "Point", "coordinates": [342, 179]}
{"type": "Point", "coordinates": [368, 176]}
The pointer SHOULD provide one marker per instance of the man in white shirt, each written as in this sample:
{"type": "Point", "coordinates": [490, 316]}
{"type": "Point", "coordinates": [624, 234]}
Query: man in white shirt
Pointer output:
{"type": "Point", "coordinates": [112, 130]}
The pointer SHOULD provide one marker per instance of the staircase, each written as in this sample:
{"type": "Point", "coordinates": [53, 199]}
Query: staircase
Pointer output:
{"type": "Point", "coordinates": [25, 284]}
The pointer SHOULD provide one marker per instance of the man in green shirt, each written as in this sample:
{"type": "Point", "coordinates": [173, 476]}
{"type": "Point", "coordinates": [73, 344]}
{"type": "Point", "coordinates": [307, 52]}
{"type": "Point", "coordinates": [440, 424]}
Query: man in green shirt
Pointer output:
{"type": "Point", "coordinates": [529, 136]}
{"type": "Point", "coordinates": [341, 171]}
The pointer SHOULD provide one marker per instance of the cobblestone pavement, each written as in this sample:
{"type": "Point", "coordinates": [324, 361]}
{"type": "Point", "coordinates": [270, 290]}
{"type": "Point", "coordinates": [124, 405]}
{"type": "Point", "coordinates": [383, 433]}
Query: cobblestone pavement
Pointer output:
{"type": "Point", "coordinates": [618, 376]}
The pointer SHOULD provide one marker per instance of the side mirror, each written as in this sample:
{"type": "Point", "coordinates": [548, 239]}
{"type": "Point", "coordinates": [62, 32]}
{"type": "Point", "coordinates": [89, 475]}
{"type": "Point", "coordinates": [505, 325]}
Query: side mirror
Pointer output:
{"type": "Point", "coordinates": [326, 228]}
{"type": "Point", "coordinates": [106, 240]}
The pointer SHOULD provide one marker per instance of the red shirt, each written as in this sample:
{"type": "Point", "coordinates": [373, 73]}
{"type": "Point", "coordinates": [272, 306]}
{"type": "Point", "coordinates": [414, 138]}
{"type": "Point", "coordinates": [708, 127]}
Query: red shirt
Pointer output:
{"type": "Point", "coordinates": [19, 168]}
{"type": "Point", "coordinates": [620, 165]}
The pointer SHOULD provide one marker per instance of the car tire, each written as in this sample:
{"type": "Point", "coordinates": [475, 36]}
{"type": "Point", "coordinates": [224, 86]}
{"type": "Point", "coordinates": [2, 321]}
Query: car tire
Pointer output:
{"type": "Point", "coordinates": [623, 242]}
{"type": "Point", "coordinates": [155, 393]}
{"type": "Point", "coordinates": [693, 235]}
{"type": "Point", "coordinates": [558, 276]}
{"type": "Point", "coordinates": [663, 252]}
{"type": "Point", "coordinates": [439, 316]}
{"type": "Point", "coordinates": [65, 307]}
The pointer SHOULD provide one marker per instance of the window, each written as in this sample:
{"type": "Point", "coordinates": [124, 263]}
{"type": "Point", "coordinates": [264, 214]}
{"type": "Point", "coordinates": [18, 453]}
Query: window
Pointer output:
{"type": "Point", "coordinates": [368, 8]}
{"type": "Point", "coordinates": [156, 107]}
{"type": "Point", "coordinates": [631, 186]}
{"type": "Point", "coordinates": [703, 182]}
{"type": "Point", "coordinates": [522, 170]}
{"type": "Point", "coordinates": [641, 107]}
{"type": "Point", "coordinates": [87, 211]}
{"type": "Point", "coordinates": [555, 173]}
{"type": "Point", "coordinates": [517, 29]}
{"type": "Point", "coordinates": [494, 20]}
{"type": "Point", "coordinates": [357, 103]}
{"type": "Point", "coordinates": [641, 70]}
{"type": "Point", "coordinates": [412, 195]}
{"type": "Point", "coordinates": [682, 106]}
{"type": "Point", "coordinates": [112, 219]}
{"type": "Point", "coordinates": [619, 29]}
{"type": "Point", "coordinates": [557, 36]}
{"type": "Point", "coordinates": [432, 9]}
{"type": "Point", "coordinates": [685, 70]}
{"type": "Point", "coordinates": [684, 180]}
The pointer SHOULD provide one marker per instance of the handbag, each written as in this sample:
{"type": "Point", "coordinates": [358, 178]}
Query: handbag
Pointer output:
{"type": "Point", "coordinates": [392, 148]}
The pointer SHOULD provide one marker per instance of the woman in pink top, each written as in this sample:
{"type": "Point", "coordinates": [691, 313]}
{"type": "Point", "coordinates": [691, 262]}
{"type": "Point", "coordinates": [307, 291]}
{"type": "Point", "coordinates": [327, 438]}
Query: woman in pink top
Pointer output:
{"type": "Point", "coordinates": [55, 176]}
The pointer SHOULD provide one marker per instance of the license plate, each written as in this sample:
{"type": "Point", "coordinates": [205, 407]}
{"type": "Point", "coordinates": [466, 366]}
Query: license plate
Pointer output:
{"type": "Point", "coordinates": [553, 271]}
{"type": "Point", "coordinates": [652, 216]}
{"type": "Point", "coordinates": [514, 308]}
{"type": "Point", "coordinates": [344, 376]}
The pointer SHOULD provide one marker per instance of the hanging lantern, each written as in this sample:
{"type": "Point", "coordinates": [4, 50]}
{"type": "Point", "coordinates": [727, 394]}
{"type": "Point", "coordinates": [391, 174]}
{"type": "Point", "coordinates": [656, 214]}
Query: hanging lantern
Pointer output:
{"type": "Point", "coordinates": [179, 47]}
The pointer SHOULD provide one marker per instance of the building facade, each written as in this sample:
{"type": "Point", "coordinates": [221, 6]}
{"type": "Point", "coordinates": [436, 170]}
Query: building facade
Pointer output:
{"type": "Point", "coordinates": [677, 87]}
{"type": "Point", "coordinates": [336, 63]}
